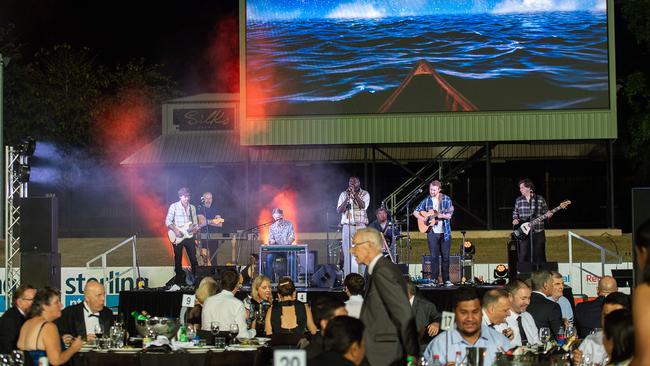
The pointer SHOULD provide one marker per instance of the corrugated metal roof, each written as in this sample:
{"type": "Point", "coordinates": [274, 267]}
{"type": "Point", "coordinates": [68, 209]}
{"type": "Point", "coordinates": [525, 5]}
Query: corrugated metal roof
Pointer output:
{"type": "Point", "coordinates": [223, 148]}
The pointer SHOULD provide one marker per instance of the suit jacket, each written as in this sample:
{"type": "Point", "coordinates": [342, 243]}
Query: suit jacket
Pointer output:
{"type": "Point", "coordinates": [10, 323]}
{"type": "Point", "coordinates": [72, 320]}
{"type": "Point", "coordinates": [546, 313]}
{"type": "Point", "coordinates": [425, 313]}
{"type": "Point", "coordinates": [587, 316]}
{"type": "Point", "coordinates": [390, 331]}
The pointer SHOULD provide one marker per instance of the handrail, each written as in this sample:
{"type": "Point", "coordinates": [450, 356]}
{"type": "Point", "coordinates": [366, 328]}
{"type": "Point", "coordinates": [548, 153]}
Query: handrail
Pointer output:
{"type": "Point", "coordinates": [603, 253]}
{"type": "Point", "coordinates": [104, 255]}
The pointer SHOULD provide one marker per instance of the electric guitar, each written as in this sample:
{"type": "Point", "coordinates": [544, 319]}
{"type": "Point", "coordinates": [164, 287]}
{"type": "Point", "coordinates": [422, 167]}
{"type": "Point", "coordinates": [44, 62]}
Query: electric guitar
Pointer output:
{"type": "Point", "coordinates": [431, 219]}
{"type": "Point", "coordinates": [521, 230]}
{"type": "Point", "coordinates": [188, 230]}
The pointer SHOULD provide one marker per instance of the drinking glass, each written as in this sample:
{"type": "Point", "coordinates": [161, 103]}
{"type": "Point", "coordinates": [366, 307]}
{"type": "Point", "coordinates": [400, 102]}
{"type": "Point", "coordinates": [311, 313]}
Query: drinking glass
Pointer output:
{"type": "Point", "coordinates": [234, 331]}
{"type": "Point", "coordinates": [98, 330]}
{"type": "Point", "coordinates": [544, 334]}
{"type": "Point", "coordinates": [214, 327]}
{"type": "Point", "coordinates": [570, 331]}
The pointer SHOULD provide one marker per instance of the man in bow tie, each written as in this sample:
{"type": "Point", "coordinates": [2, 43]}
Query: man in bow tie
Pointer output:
{"type": "Point", "coordinates": [90, 318]}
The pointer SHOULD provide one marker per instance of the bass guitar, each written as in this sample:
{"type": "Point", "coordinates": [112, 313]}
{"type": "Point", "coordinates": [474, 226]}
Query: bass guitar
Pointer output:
{"type": "Point", "coordinates": [521, 230]}
{"type": "Point", "coordinates": [188, 230]}
{"type": "Point", "coordinates": [431, 219]}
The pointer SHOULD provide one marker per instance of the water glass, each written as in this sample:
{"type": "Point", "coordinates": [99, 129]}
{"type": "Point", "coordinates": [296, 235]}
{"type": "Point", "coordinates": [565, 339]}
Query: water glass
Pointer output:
{"type": "Point", "coordinates": [104, 343]}
{"type": "Point", "coordinates": [220, 342]}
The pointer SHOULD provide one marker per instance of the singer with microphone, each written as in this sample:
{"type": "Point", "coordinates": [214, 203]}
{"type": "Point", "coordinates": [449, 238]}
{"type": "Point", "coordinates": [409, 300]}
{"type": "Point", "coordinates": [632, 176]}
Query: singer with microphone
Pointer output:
{"type": "Point", "coordinates": [528, 206]}
{"type": "Point", "coordinates": [280, 233]}
{"type": "Point", "coordinates": [352, 205]}
{"type": "Point", "coordinates": [206, 212]}
{"type": "Point", "coordinates": [439, 210]}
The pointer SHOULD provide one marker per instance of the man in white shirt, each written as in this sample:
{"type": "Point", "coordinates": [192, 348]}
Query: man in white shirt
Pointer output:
{"type": "Point", "coordinates": [225, 309]}
{"type": "Point", "coordinates": [496, 307]}
{"type": "Point", "coordinates": [354, 284]}
{"type": "Point", "coordinates": [352, 205]}
{"type": "Point", "coordinates": [521, 323]}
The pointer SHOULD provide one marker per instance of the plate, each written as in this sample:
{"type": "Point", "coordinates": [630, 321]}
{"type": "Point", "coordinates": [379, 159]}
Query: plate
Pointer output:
{"type": "Point", "coordinates": [125, 350]}
{"type": "Point", "coordinates": [263, 339]}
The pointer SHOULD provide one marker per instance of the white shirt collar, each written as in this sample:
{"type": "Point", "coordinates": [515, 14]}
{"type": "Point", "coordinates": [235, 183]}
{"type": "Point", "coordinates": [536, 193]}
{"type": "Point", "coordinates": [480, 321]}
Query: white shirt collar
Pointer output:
{"type": "Point", "coordinates": [371, 266]}
{"type": "Point", "coordinates": [411, 300]}
{"type": "Point", "coordinates": [21, 311]}
{"type": "Point", "coordinates": [87, 309]}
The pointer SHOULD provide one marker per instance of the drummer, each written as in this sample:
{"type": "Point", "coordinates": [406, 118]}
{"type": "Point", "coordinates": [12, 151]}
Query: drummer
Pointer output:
{"type": "Point", "coordinates": [387, 227]}
{"type": "Point", "coordinates": [280, 233]}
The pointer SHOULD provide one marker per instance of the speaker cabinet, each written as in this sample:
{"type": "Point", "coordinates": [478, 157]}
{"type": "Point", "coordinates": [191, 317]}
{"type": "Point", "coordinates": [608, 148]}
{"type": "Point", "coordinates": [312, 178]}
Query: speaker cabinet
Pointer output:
{"type": "Point", "coordinates": [39, 225]}
{"type": "Point", "coordinates": [40, 269]}
{"type": "Point", "coordinates": [327, 276]}
{"type": "Point", "coordinates": [640, 214]}
{"type": "Point", "coordinates": [454, 268]}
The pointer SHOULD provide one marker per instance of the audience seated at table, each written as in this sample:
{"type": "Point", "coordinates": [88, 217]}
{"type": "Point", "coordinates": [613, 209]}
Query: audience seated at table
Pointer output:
{"type": "Point", "coordinates": [588, 313]}
{"type": "Point", "coordinates": [39, 336]}
{"type": "Point", "coordinates": [343, 343]}
{"type": "Point", "coordinates": [258, 303]}
{"type": "Point", "coordinates": [14, 318]}
{"type": "Point", "coordinates": [520, 322]}
{"type": "Point", "coordinates": [592, 347]}
{"type": "Point", "coordinates": [427, 317]}
{"type": "Point", "coordinates": [618, 337]}
{"type": "Point", "coordinates": [641, 301]}
{"type": "Point", "coordinates": [289, 315]}
{"type": "Point", "coordinates": [324, 309]}
{"type": "Point", "coordinates": [225, 309]}
{"type": "Point", "coordinates": [545, 312]}
{"type": "Point", "coordinates": [354, 284]}
{"type": "Point", "coordinates": [557, 296]}
{"type": "Point", "coordinates": [469, 332]}
{"type": "Point", "coordinates": [207, 287]}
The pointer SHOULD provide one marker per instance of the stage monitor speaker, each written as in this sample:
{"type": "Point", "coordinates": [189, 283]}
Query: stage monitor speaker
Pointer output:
{"type": "Point", "coordinates": [39, 222]}
{"type": "Point", "coordinates": [640, 214]}
{"type": "Point", "coordinates": [454, 268]}
{"type": "Point", "coordinates": [40, 269]}
{"type": "Point", "coordinates": [327, 276]}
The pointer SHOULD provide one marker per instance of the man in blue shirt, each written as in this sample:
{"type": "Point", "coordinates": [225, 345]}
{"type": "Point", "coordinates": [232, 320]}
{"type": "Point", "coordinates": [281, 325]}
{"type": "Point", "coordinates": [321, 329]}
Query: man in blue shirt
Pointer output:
{"type": "Point", "coordinates": [439, 233]}
{"type": "Point", "coordinates": [469, 332]}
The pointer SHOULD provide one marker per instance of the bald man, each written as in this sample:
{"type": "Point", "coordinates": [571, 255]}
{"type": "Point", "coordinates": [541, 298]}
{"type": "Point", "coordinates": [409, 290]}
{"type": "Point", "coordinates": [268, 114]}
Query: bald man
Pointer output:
{"type": "Point", "coordinates": [390, 332]}
{"type": "Point", "coordinates": [587, 314]}
{"type": "Point", "coordinates": [84, 318]}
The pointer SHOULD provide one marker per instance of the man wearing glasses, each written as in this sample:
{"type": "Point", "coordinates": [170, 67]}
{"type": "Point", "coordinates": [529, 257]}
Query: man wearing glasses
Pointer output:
{"type": "Point", "coordinates": [390, 332]}
{"type": "Point", "coordinates": [12, 320]}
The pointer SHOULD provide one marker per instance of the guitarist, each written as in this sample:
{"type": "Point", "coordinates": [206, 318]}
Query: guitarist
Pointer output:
{"type": "Point", "coordinates": [529, 206]}
{"type": "Point", "coordinates": [179, 214]}
{"type": "Point", "coordinates": [439, 236]}
{"type": "Point", "coordinates": [207, 211]}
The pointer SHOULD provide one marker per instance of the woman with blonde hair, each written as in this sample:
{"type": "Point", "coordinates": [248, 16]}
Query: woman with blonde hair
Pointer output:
{"type": "Point", "coordinates": [207, 287]}
{"type": "Point", "coordinates": [258, 302]}
{"type": "Point", "coordinates": [39, 336]}
{"type": "Point", "coordinates": [289, 315]}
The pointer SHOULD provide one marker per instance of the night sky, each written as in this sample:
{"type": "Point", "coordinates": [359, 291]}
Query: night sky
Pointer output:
{"type": "Point", "coordinates": [191, 38]}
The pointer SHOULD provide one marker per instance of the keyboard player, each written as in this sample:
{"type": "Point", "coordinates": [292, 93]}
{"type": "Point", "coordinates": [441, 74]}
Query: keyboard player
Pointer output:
{"type": "Point", "coordinates": [280, 233]}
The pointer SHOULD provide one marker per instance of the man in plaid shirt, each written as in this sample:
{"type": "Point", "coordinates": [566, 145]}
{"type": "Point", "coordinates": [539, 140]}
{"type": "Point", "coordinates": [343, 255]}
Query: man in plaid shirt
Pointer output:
{"type": "Point", "coordinates": [439, 236]}
{"type": "Point", "coordinates": [179, 214]}
{"type": "Point", "coordinates": [529, 206]}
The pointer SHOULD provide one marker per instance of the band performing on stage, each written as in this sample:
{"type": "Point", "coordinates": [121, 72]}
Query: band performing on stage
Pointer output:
{"type": "Point", "coordinates": [194, 229]}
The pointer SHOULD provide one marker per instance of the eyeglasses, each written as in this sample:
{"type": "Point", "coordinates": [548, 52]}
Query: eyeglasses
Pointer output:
{"type": "Point", "coordinates": [354, 245]}
{"type": "Point", "coordinates": [27, 299]}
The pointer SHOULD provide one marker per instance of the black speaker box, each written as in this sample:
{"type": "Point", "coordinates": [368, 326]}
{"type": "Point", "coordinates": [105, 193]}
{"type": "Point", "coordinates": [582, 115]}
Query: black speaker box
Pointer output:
{"type": "Point", "coordinates": [40, 269]}
{"type": "Point", "coordinates": [39, 225]}
{"type": "Point", "coordinates": [640, 214]}
{"type": "Point", "coordinates": [454, 268]}
{"type": "Point", "coordinates": [327, 276]}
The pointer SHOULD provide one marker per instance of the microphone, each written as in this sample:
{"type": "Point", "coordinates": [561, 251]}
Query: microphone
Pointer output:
{"type": "Point", "coordinates": [202, 198]}
{"type": "Point", "coordinates": [419, 190]}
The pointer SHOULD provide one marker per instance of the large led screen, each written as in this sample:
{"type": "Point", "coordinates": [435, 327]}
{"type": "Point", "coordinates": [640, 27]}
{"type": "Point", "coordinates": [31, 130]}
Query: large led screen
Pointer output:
{"type": "Point", "coordinates": [341, 57]}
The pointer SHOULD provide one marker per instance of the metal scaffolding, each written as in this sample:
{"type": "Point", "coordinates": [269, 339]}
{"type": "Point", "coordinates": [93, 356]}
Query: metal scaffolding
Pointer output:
{"type": "Point", "coordinates": [15, 190]}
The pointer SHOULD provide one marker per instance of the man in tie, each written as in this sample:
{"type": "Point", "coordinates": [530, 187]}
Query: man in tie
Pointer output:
{"type": "Point", "coordinates": [89, 318]}
{"type": "Point", "coordinates": [520, 322]}
{"type": "Point", "coordinates": [12, 320]}
{"type": "Point", "coordinates": [545, 312]}
{"type": "Point", "coordinates": [390, 334]}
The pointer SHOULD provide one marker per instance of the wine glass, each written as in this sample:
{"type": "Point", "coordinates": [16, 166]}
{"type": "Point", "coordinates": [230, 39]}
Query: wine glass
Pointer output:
{"type": "Point", "coordinates": [234, 331]}
{"type": "Point", "coordinates": [214, 327]}
{"type": "Point", "coordinates": [570, 332]}
{"type": "Point", "coordinates": [98, 330]}
{"type": "Point", "coordinates": [544, 336]}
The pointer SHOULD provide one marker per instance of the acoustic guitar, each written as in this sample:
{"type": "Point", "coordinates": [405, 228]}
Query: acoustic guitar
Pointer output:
{"type": "Point", "coordinates": [431, 219]}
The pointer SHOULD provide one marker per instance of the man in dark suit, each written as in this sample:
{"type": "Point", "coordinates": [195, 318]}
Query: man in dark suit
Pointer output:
{"type": "Point", "coordinates": [545, 312]}
{"type": "Point", "coordinates": [88, 317]}
{"type": "Point", "coordinates": [587, 314]}
{"type": "Point", "coordinates": [390, 333]}
{"type": "Point", "coordinates": [427, 317]}
{"type": "Point", "coordinates": [12, 320]}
